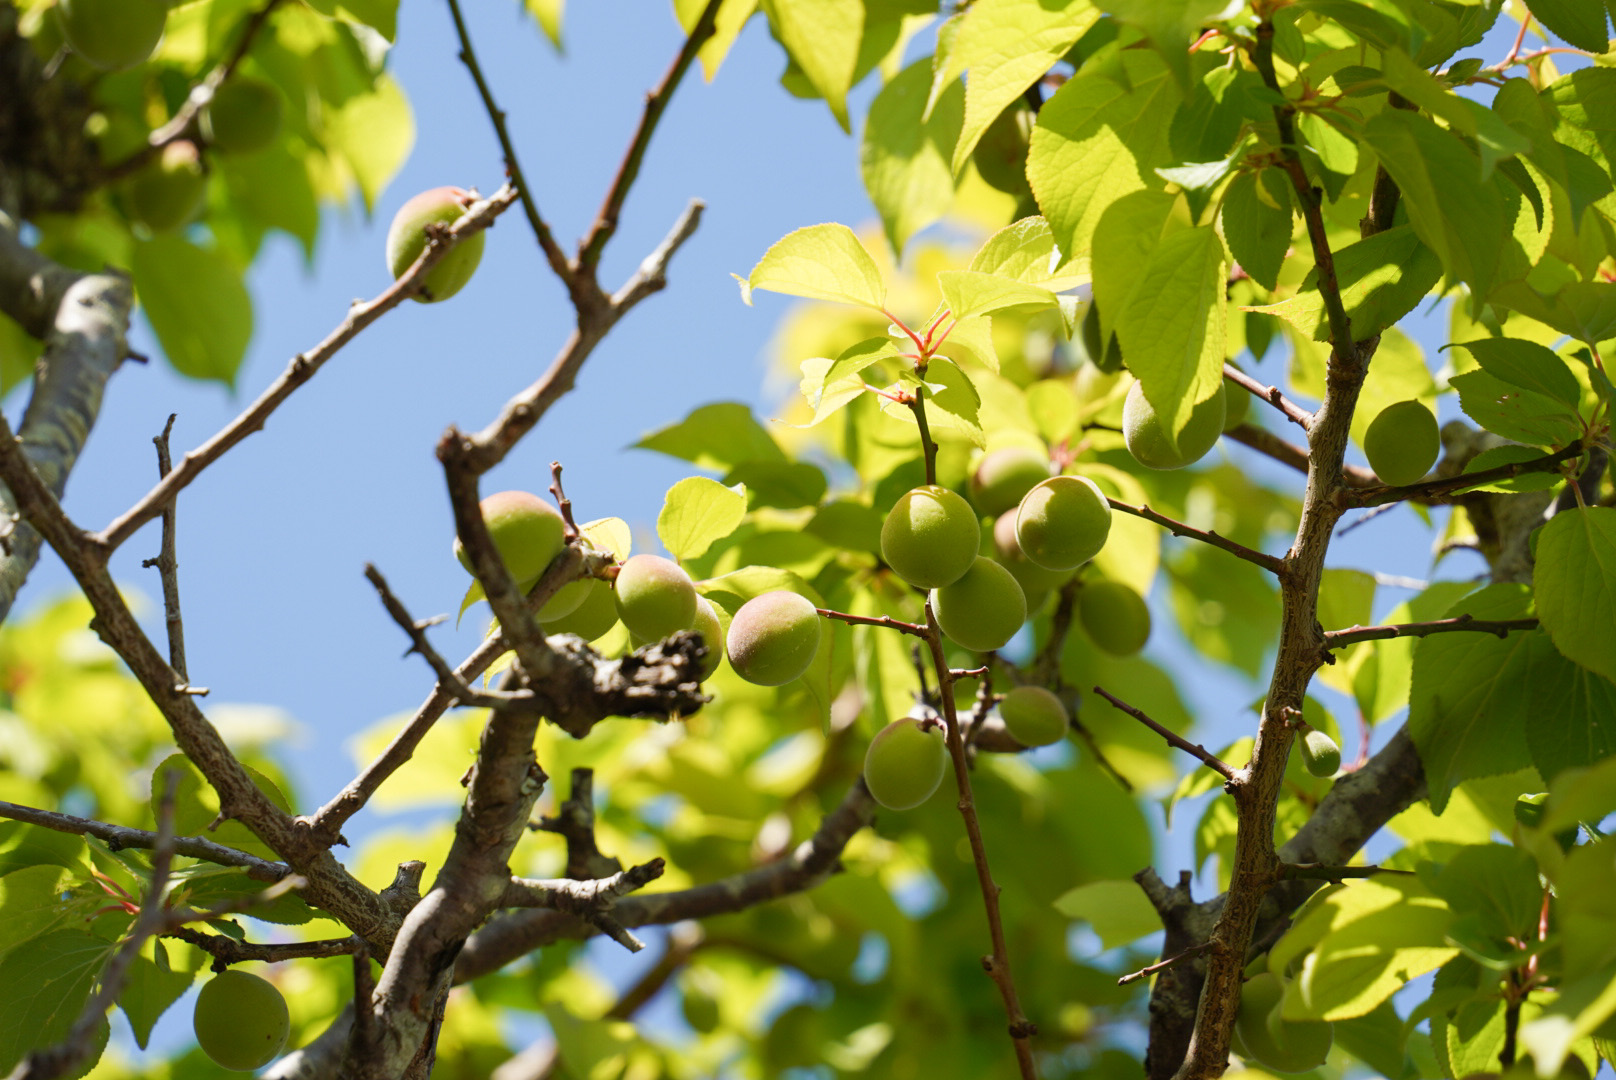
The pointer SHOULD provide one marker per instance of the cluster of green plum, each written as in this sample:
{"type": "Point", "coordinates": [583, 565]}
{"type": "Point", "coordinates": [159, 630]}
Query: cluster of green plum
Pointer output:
{"type": "Point", "coordinates": [241, 1021]}
{"type": "Point", "coordinates": [1262, 1035]}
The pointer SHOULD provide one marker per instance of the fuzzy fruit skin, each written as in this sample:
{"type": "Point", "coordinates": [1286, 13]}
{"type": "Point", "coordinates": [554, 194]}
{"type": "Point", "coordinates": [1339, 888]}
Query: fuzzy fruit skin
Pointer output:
{"type": "Point", "coordinates": [527, 532]}
{"type": "Point", "coordinates": [1005, 475]}
{"type": "Point", "coordinates": [1402, 443]}
{"type": "Point", "coordinates": [1147, 442]}
{"type": "Point", "coordinates": [1236, 406]}
{"type": "Point", "coordinates": [240, 1020]}
{"type": "Point", "coordinates": [1114, 616]}
{"type": "Point", "coordinates": [167, 193]}
{"type": "Point", "coordinates": [564, 602]}
{"type": "Point", "coordinates": [904, 764]}
{"type": "Point", "coordinates": [931, 537]}
{"type": "Point", "coordinates": [406, 239]}
{"type": "Point", "coordinates": [655, 597]}
{"type": "Point", "coordinates": [1063, 522]}
{"type": "Point", "coordinates": [113, 34]}
{"type": "Point", "coordinates": [1320, 755]}
{"type": "Point", "coordinates": [244, 115]}
{"type": "Point", "coordinates": [1034, 716]}
{"type": "Point", "coordinates": [712, 635]}
{"type": "Point", "coordinates": [1035, 581]}
{"type": "Point", "coordinates": [773, 638]}
{"type": "Point", "coordinates": [982, 610]}
{"type": "Point", "coordinates": [592, 618]}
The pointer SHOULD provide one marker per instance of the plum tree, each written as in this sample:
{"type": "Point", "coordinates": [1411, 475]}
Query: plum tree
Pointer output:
{"type": "Point", "coordinates": [244, 115]}
{"type": "Point", "coordinates": [655, 597]}
{"type": "Point", "coordinates": [773, 638]}
{"type": "Point", "coordinates": [407, 237]}
{"type": "Point", "coordinates": [527, 532]}
{"type": "Point", "coordinates": [1148, 442]}
{"type": "Point", "coordinates": [930, 537]}
{"type": "Point", "coordinates": [1114, 616]}
{"type": "Point", "coordinates": [1320, 754]}
{"type": "Point", "coordinates": [113, 34]}
{"type": "Point", "coordinates": [240, 1020]}
{"type": "Point", "coordinates": [594, 616]}
{"type": "Point", "coordinates": [1006, 474]}
{"type": "Point", "coordinates": [905, 763]}
{"type": "Point", "coordinates": [1063, 522]}
{"type": "Point", "coordinates": [1034, 715]}
{"type": "Point", "coordinates": [168, 192]}
{"type": "Point", "coordinates": [1402, 443]}
{"type": "Point", "coordinates": [983, 609]}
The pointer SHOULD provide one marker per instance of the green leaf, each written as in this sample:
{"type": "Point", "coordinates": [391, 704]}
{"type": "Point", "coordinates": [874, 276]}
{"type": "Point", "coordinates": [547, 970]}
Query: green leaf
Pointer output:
{"type": "Point", "coordinates": [827, 384]}
{"type": "Point", "coordinates": [784, 485]}
{"type": "Point", "coordinates": [820, 262]}
{"type": "Point", "coordinates": [548, 14]}
{"type": "Point", "coordinates": [1163, 291]}
{"type": "Point", "coordinates": [379, 15]}
{"type": "Point", "coordinates": [1528, 365]}
{"type": "Point", "coordinates": [273, 189]}
{"type": "Point", "coordinates": [823, 38]}
{"type": "Point", "coordinates": [952, 403]}
{"type": "Point", "coordinates": [1523, 415]}
{"type": "Point", "coordinates": [1025, 251]}
{"type": "Point", "coordinates": [1005, 46]}
{"type": "Point", "coordinates": [44, 984]}
{"type": "Point", "coordinates": [38, 899]}
{"type": "Point", "coordinates": [718, 436]}
{"type": "Point", "coordinates": [197, 305]}
{"type": "Point", "coordinates": [196, 805]}
{"type": "Point", "coordinates": [1575, 586]}
{"type": "Point", "coordinates": [1098, 140]}
{"type": "Point", "coordinates": [1496, 884]}
{"type": "Point", "coordinates": [1259, 234]}
{"type": "Point", "coordinates": [1581, 22]}
{"type": "Point", "coordinates": [697, 512]}
{"type": "Point", "coordinates": [1171, 27]}
{"type": "Point", "coordinates": [904, 156]}
{"type": "Point", "coordinates": [590, 1048]}
{"type": "Point", "coordinates": [1470, 696]}
{"type": "Point", "coordinates": [1495, 139]}
{"type": "Point", "coordinates": [970, 292]}
{"type": "Point", "coordinates": [1578, 795]}
{"type": "Point", "coordinates": [18, 354]}
{"type": "Point", "coordinates": [1510, 455]}
{"type": "Point", "coordinates": [1346, 599]}
{"type": "Point", "coordinates": [732, 16]}
{"type": "Point", "coordinates": [150, 988]}
{"type": "Point", "coordinates": [373, 131]}
{"type": "Point", "coordinates": [32, 845]}
{"type": "Point", "coordinates": [1382, 279]}
{"type": "Point", "coordinates": [1118, 911]}
{"type": "Point", "coordinates": [1586, 310]}
{"type": "Point", "coordinates": [1455, 213]}
{"type": "Point", "coordinates": [1574, 720]}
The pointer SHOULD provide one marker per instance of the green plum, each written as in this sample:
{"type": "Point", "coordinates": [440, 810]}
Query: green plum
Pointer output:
{"type": "Point", "coordinates": [113, 34]}
{"type": "Point", "coordinates": [1114, 617]}
{"type": "Point", "coordinates": [1034, 716]}
{"type": "Point", "coordinates": [711, 630]}
{"type": "Point", "coordinates": [1402, 443]}
{"type": "Point", "coordinates": [773, 638]}
{"type": "Point", "coordinates": [655, 597]}
{"type": "Point", "coordinates": [1281, 1045]}
{"type": "Point", "coordinates": [1237, 406]}
{"type": "Point", "coordinates": [982, 610]}
{"type": "Point", "coordinates": [1147, 441]}
{"type": "Point", "coordinates": [565, 600]}
{"type": "Point", "coordinates": [1035, 581]}
{"type": "Point", "coordinates": [1063, 522]}
{"type": "Point", "coordinates": [592, 618]}
{"type": "Point", "coordinates": [241, 1020]}
{"type": "Point", "coordinates": [930, 537]}
{"type": "Point", "coordinates": [1529, 809]}
{"type": "Point", "coordinates": [407, 238]}
{"type": "Point", "coordinates": [527, 532]}
{"type": "Point", "coordinates": [905, 763]}
{"type": "Point", "coordinates": [1320, 755]}
{"type": "Point", "coordinates": [168, 192]}
{"type": "Point", "coordinates": [1004, 475]}
{"type": "Point", "coordinates": [244, 115]}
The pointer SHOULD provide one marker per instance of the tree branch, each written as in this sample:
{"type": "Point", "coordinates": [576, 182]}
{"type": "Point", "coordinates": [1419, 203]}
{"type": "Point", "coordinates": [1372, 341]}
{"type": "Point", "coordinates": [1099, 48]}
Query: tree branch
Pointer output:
{"type": "Point", "coordinates": [1194, 750]}
{"type": "Point", "coordinates": [1271, 394]}
{"type": "Point", "coordinates": [1172, 961]}
{"type": "Point", "coordinates": [875, 620]}
{"type": "Point", "coordinates": [1178, 528]}
{"type": "Point", "coordinates": [168, 564]}
{"type": "Point", "coordinates": [1336, 874]}
{"type": "Point", "coordinates": [1433, 490]}
{"type": "Point", "coordinates": [1340, 639]}
{"type": "Point", "coordinates": [118, 836]}
{"type": "Point", "coordinates": [227, 950]}
{"type": "Point", "coordinates": [575, 822]}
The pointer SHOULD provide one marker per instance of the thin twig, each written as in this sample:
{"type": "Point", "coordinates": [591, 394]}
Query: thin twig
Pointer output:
{"type": "Point", "coordinates": [1268, 562]}
{"type": "Point", "coordinates": [118, 837]}
{"type": "Point", "coordinates": [563, 503]}
{"type": "Point", "coordinates": [1271, 394]}
{"type": "Point", "coordinates": [227, 950]}
{"type": "Point", "coordinates": [591, 901]}
{"type": "Point", "coordinates": [1195, 750]}
{"type": "Point", "coordinates": [513, 168]}
{"type": "Point", "coordinates": [1337, 874]}
{"type": "Point", "coordinates": [1365, 518]}
{"type": "Point", "coordinates": [167, 562]}
{"type": "Point", "coordinates": [1340, 639]}
{"type": "Point", "coordinates": [1099, 755]}
{"type": "Point", "coordinates": [874, 620]}
{"type": "Point", "coordinates": [1172, 961]}
{"type": "Point", "coordinates": [1432, 490]}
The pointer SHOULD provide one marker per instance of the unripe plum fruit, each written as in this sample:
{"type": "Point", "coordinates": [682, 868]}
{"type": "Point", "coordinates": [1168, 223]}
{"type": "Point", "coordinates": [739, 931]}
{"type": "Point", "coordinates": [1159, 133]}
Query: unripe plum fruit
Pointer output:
{"type": "Point", "coordinates": [407, 238]}
{"type": "Point", "coordinates": [1114, 616]}
{"type": "Point", "coordinates": [592, 618]}
{"type": "Point", "coordinates": [1004, 475]}
{"type": "Point", "coordinates": [982, 610]}
{"type": "Point", "coordinates": [1237, 406]}
{"type": "Point", "coordinates": [1063, 522]}
{"type": "Point", "coordinates": [712, 635]}
{"type": "Point", "coordinates": [240, 1020]}
{"type": "Point", "coordinates": [564, 601]}
{"type": "Point", "coordinates": [931, 537]}
{"type": "Point", "coordinates": [773, 638]}
{"type": "Point", "coordinates": [1320, 755]}
{"type": "Point", "coordinates": [655, 597]}
{"type": "Point", "coordinates": [1035, 581]}
{"type": "Point", "coordinates": [1147, 441]}
{"type": "Point", "coordinates": [1281, 1045]}
{"type": "Point", "coordinates": [244, 115]}
{"type": "Point", "coordinates": [1402, 443]}
{"type": "Point", "coordinates": [1034, 716]}
{"type": "Point", "coordinates": [905, 763]}
{"type": "Point", "coordinates": [527, 532]}
{"type": "Point", "coordinates": [113, 34]}
{"type": "Point", "coordinates": [167, 193]}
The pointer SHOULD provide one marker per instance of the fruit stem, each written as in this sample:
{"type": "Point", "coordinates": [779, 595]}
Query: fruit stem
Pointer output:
{"type": "Point", "coordinates": [998, 964]}
{"type": "Point", "coordinates": [927, 446]}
